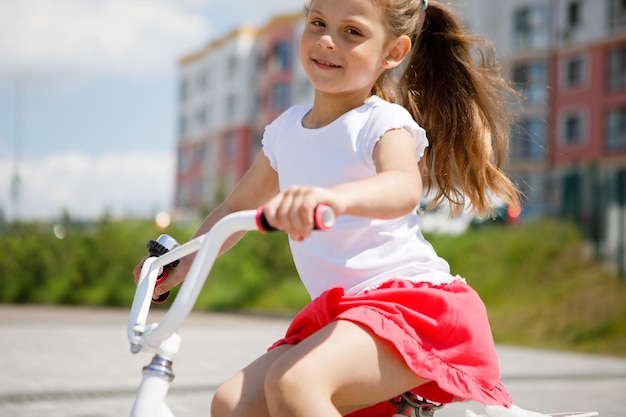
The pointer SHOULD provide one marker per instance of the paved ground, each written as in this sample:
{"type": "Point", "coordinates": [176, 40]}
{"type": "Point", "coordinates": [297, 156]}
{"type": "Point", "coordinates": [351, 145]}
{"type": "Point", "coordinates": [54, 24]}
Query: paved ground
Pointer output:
{"type": "Point", "coordinates": [75, 362]}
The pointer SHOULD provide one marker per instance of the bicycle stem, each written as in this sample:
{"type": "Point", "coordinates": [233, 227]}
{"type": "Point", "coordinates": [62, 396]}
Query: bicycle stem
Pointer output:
{"type": "Point", "coordinates": [207, 247]}
{"type": "Point", "coordinates": [162, 338]}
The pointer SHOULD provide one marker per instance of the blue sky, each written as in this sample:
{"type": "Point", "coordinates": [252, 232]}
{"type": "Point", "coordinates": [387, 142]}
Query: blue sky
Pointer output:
{"type": "Point", "coordinates": [88, 94]}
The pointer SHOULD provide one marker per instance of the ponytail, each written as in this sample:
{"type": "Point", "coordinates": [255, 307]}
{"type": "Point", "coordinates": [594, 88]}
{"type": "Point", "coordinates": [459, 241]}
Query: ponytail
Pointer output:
{"type": "Point", "coordinates": [454, 89]}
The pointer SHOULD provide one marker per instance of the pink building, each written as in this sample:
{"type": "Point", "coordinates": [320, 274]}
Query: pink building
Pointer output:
{"type": "Point", "coordinates": [230, 90]}
{"type": "Point", "coordinates": [588, 121]}
{"type": "Point", "coordinates": [589, 96]}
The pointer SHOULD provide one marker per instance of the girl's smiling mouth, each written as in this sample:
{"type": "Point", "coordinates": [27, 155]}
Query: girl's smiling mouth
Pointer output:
{"type": "Point", "coordinates": [325, 64]}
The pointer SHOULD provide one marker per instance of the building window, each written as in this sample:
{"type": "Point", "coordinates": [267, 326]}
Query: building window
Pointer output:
{"type": "Point", "coordinates": [531, 27]}
{"type": "Point", "coordinates": [201, 116]}
{"type": "Point", "coordinates": [281, 56]}
{"type": "Point", "coordinates": [184, 90]}
{"type": "Point", "coordinates": [616, 130]}
{"type": "Point", "coordinates": [231, 106]}
{"type": "Point", "coordinates": [573, 129]}
{"type": "Point", "coordinates": [182, 196]}
{"type": "Point", "coordinates": [574, 16]}
{"type": "Point", "coordinates": [617, 68]}
{"type": "Point", "coordinates": [617, 15]}
{"type": "Point", "coordinates": [202, 81]}
{"type": "Point", "coordinates": [574, 71]}
{"type": "Point", "coordinates": [184, 162]}
{"type": "Point", "coordinates": [258, 61]}
{"type": "Point", "coordinates": [281, 96]}
{"type": "Point", "coordinates": [232, 67]}
{"type": "Point", "coordinates": [197, 189]}
{"type": "Point", "coordinates": [230, 145]}
{"type": "Point", "coordinates": [533, 188]}
{"type": "Point", "coordinates": [528, 140]}
{"type": "Point", "coordinates": [208, 115]}
{"type": "Point", "coordinates": [530, 80]}
{"type": "Point", "coordinates": [198, 154]}
{"type": "Point", "coordinates": [182, 126]}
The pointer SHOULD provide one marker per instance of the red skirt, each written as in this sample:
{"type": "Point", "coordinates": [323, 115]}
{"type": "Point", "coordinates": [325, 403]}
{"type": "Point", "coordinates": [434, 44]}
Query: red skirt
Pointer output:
{"type": "Point", "coordinates": [442, 332]}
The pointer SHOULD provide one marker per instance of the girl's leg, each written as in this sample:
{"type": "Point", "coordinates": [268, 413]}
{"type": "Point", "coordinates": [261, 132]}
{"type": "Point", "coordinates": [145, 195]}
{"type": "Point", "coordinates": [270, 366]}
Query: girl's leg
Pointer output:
{"type": "Point", "coordinates": [243, 394]}
{"type": "Point", "coordinates": [341, 368]}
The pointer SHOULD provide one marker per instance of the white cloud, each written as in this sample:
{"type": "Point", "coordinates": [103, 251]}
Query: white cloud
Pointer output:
{"type": "Point", "coordinates": [57, 45]}
{"type": "Point", "coordinates": [136, 184]}
{"type": "Point", "coordinates": [95, 37]}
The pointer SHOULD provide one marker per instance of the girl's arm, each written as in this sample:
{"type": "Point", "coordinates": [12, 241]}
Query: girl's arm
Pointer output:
{"type": "Point", "coordinates": [259, 184]}
{"type": "Point", "coordinates": [394, 191]}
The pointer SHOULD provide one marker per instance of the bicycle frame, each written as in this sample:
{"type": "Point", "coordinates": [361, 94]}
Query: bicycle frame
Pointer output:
{"type": "Point", "coordinates": [162, 338]}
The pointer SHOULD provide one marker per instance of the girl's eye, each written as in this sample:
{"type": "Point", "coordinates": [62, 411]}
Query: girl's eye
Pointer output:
{"type": "Point", "coordinates": [353, 32]}
{"type": "Point", "coordinates": [317, 23]}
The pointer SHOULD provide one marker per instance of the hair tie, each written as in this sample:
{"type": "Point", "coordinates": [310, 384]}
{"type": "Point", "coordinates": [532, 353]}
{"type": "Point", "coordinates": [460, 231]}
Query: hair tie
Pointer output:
{"type": "Point", "coordinates": [425, 5]}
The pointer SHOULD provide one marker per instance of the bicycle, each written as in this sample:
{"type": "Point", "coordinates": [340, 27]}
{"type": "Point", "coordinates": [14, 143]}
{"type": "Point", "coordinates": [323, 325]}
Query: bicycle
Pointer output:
{"type": "Point", "coordinates": [162, 340]}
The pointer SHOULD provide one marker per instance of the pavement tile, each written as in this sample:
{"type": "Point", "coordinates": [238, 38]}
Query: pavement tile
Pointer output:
{"type": "Point", "coordinates": [75, 362]}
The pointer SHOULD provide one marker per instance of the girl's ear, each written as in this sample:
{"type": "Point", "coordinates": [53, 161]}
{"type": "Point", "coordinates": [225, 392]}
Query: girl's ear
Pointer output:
{"type": "Point", "coordinates": [398, 50]}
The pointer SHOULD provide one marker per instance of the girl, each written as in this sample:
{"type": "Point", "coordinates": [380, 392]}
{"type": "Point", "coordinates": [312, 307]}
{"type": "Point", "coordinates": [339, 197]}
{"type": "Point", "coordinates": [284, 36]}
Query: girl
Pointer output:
{"type": "Point", "coordinates": [387, 316]}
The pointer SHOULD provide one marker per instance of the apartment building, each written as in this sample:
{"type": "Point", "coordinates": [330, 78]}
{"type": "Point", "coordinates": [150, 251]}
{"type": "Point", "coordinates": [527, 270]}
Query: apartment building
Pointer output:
{"type": "Point", "coordinates": [567, 58]}
{"type": "Point", "coordinates": [588, 124]}
{"type": "Point", "coordinates": [217, 99]}
{"type": "Point", "coordinates": [229, 91]}
{"type": "Point", "coordinates": [521, 33]}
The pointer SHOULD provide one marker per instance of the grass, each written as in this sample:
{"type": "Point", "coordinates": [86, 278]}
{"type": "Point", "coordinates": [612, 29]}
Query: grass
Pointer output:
{"type": "Point", "coordinates": [541, 287]}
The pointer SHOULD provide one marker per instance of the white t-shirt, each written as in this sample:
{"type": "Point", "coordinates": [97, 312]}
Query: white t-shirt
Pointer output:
{"type": "Point", "coordinates": [358, 253]}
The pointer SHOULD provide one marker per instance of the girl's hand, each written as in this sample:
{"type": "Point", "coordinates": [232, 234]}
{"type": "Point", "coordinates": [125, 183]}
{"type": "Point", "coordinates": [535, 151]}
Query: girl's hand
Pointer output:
{"type": "Point", "coordinates": [175, 276]}
{"type": "Point", "coordinates": [137, 269]}
{"type": "Point", "coordinates": [291, 211]}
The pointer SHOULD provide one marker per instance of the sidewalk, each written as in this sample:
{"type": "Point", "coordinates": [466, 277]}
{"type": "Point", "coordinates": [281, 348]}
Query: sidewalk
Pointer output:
{"type": "Point", "coordinates": [75, 362]}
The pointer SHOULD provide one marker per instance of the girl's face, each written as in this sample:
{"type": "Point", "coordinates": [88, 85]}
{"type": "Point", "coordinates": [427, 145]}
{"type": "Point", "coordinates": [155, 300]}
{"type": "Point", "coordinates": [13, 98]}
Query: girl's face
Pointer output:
{"type": "Point", "coordinates": [345, 46]}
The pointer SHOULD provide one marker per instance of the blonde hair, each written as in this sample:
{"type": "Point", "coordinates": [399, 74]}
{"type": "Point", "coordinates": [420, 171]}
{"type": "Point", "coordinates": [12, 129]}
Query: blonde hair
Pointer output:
{"type": "Point", "coordinates": [454, 88]}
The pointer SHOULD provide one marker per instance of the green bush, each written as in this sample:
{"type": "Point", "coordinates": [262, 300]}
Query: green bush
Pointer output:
{"type": "Point", "coordinates": [92, 265]}
{"type": "Point", "coordinates": [540, 285]}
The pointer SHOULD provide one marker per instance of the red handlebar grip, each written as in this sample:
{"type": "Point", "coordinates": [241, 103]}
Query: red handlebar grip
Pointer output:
{"type": "Point", "coordinates": [323, 219]}
{"type": "Point", "coordinates": [163, 297]}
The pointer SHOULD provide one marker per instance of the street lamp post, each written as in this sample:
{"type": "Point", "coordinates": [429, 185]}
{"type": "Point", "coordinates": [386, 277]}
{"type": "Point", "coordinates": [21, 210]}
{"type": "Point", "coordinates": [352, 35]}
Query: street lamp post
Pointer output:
{"type": "Point", "coordinates": [15, 177]}
{"type": "Point", "coordinates": [621, 223]}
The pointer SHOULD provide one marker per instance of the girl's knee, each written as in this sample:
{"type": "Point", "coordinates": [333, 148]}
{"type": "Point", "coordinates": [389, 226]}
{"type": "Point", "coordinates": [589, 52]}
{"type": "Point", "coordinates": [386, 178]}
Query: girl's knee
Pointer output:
{"type": "Point", "coordinates": [230, 401]}
{"type": "Point", "coordinates": [297, 389]}
{"type": "Point", "coordinates": [223, 403]}
{"type": "Point", "coordinates": [279, 379]}
{"type": "Point", "coordinates": [286, 382]}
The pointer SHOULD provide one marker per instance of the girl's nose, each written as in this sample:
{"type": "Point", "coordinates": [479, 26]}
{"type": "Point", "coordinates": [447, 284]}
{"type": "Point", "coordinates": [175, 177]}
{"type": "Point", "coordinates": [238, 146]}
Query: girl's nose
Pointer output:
{"type": "Point", "coordinates": [325, 41]}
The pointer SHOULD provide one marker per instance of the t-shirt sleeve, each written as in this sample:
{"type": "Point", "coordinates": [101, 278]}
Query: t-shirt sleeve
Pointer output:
{"type": "Point", "coordinates": [274, 133]}
{"type": "Point", "coordinates": [271, 136]}
{"type": "Point", "coordinates": [389, 117]}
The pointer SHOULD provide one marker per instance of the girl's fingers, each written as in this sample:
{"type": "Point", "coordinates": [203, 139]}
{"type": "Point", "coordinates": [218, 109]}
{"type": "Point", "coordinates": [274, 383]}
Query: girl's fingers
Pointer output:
{"type": "Point", "coordinates": [137, 270]}
{"type": "Point", "coordinates": [292, 211]}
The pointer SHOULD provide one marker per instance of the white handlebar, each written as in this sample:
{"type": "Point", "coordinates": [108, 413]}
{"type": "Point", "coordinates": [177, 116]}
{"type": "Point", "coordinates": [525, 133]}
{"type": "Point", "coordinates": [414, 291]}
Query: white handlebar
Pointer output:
{"type": "Point", "coordinates": [208, 245]}
{"type": "Point", "coordinates": [158, 337]}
